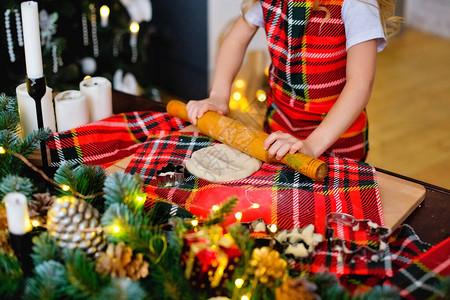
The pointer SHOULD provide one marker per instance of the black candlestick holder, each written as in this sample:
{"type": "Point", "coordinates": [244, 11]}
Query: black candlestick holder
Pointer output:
{"type": "Point", "coordinates": [22, 246]}
{"type": "Point", "coordinates": [36, 89]}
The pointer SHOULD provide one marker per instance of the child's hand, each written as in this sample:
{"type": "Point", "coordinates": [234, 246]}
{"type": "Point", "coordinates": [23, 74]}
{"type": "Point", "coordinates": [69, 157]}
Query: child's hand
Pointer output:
{"type": "Point", "coordinates": [196, 109]}
{"type": "Point", "coordinates": [279, 144]}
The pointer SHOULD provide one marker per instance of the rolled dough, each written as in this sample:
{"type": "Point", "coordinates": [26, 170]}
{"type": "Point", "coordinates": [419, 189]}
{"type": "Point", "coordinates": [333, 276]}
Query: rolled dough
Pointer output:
{"type": "Point", "coordinates": [220, 163]}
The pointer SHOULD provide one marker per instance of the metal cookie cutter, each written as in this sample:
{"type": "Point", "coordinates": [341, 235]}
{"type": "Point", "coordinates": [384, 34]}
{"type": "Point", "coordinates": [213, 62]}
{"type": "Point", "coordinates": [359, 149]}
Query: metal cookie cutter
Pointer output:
{"type": "Point", "coordinates": [170, 175]}
{"type": "Point", "coordinates": [380, 234]}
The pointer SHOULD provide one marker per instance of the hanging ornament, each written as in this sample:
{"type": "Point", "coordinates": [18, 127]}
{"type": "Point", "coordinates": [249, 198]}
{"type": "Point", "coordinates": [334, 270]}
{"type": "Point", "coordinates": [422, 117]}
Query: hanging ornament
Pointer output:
{"type": "Point", "coordinates": [118, 261]}
{"type": "Point", "coordinates": [55, 58]}
{"type": "Point", "coordinates": [88, 65]}
{"type": "Point", "coordinates": [75, 224]}
{"type": "Point", "coordinates": [47, 25]}
{"type": "Point", "coordinates": [116, 43]}
{"type": "Point", "coordinates": [134, 29]}
{"type": "Point", "coordinates": [139, 10]}
{"type": "Point", "coordinates": [18, 27]}
{"type": "Point", "coordinates": [9, 40]}
{"type": "Point", "coordinates": [94, 29]}
{"type": "Point", "coordinates": [84, 26]}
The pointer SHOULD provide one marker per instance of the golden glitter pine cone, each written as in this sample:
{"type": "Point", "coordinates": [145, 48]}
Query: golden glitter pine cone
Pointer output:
{"type": "Point", "coordinates": [267, 265]}
{"type": "Point", "coordinates": [5, 247]}
{"type": "Point", "coordinates": [118, 261]}
{"type": "Point", "coordinates": [75, 224]}
{"type": "Point", "coordinates": [3, 219]}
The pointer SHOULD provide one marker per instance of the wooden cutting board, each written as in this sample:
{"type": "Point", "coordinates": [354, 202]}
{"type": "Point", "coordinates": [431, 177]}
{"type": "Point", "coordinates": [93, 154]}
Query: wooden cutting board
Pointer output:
{"type": "Point", "coordinates": [398, 196]}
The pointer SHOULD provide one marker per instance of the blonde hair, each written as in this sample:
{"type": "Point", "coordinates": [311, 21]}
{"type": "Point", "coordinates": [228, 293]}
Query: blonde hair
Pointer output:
{"type": "Point", "coordinates": [390, 22]}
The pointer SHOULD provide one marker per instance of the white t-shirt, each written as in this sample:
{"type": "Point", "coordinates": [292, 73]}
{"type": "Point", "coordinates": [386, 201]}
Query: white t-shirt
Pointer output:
{"type": "Point", "coordinates": [361, 20]}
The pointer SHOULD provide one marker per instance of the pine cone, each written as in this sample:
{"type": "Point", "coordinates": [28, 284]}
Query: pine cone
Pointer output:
{"type": "Point", "coordinates": [3, 219]}
{"type": "Point", "coordinates": [5, 247]}
{"type": "Point", "coordinates": [39, 207]}
{"type": "Point", "coordinates": [296, 289]}
{"type": "Point", "coordinates": [117, 261]}
{"type": "Point", "coordinates": [76, 224]}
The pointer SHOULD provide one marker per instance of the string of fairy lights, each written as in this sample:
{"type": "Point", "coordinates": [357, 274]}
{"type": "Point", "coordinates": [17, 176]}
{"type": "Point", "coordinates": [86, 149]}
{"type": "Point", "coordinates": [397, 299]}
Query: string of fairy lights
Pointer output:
{"type": "Point", "coordinates": [139, 199]}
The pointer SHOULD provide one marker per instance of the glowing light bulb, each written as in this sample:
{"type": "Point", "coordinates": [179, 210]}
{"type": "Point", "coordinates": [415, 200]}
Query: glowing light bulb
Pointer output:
{"type": "Point", "coordinates": [2, 150]}
{"type": "Point", "coordinates": [239, 283]}
{"type": "Point", "coordinates": [245, 297]}
{"type": "Point", "coordinates": [215, 207]}
{"type": "Point", "coordinates": [65, 187]}
{"type": "Point", "coordinates": [35, 223]}
{"type": "Point", "coordinates": [261, 95]}
{"type": "Point", "coordinates": [239, 83]}
{"type": "Point", "coordinates": [233, 104]}
{"type": "Point", "coordinates": [104, 11]}
{"type": "Point", "coordinates": [139, 198]}
{"type": "Point", "coordinates": [134, 27]}
{"type": "Point", "coordinates": [237, 96]}
{"type": "Point", "coordinates": [273, 228]}
{"type": "Point", "coordinates": [194, 222]}
{"type": "Point", "coordinates": [255, 205]}
{"type": "Point", "coordinates": [238, 216]}
{"type": "Point", "coordinates": [116, 229]}
{"type": "Point", "coordinates": [104, 14]}
{"type": "Point", "coordinates": [243, 104]}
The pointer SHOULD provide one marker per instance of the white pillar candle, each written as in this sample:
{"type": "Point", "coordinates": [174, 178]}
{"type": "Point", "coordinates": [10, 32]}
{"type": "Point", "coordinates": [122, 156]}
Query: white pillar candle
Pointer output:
{"type": "Point", "coordinates": [17, 213]}
{"type": "Point", "coordinates": [32, 39]}
{"type": "Point", "coordinates": [27, 110]}
{"type": "Point", "coordinates": [71, 110]}
{"type": "Point", "coordinates": [98, 93]}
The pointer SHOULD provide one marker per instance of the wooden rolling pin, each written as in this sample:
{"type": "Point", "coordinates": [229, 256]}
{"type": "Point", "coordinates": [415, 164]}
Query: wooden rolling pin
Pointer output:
{"type": "Point", "coordinates": [248, 140]}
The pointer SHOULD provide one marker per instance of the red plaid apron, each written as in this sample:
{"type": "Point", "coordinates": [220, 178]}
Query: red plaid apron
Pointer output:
{"type": "Point", "coordinates": [308, 71]}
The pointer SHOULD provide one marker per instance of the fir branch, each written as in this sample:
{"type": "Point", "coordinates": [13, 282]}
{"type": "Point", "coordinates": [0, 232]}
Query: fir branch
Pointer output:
{"type": "Point", "coordinates": [84, 281]}
{"type": "Point", "coordinates": [16, 184]}
{"type": "Point", "coordinates": [122, 289]}
{"type": "Point", "coordinates": [9, 121]}
{"type": "Point", "coordinates": [167, 280]}
{"type": "Point", "coordinates": [136, 230]}
{"type": "Point", "coordinates": [44, 249]}
{"type": "Point", "coordinates": [224, 210]}
{"type": "Point", "coordinates": [48, 282]}
{"type": "Point", "coordinates": [65, 176]}
{"type": "Point", "coordinates": [11, 276]}
{"type": "Point", "coordinates": [85, 180]}
{"type": "Point", "coordinates": [32, 140]}
{"type": "Point", "coordinates": [124, 188]}
{"type": "Point", "coordinates": [381, 292]}
{"type": "Point", "coordinates": [12, 143]}
{"type": "Point", "coordinates": [8, 104]}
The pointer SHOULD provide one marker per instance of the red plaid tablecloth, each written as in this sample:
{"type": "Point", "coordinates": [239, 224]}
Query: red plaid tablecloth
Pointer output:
{"type": "Point", "coordinates": [284, 196]}
{"type": "Point", "coordinates": [106, 141]}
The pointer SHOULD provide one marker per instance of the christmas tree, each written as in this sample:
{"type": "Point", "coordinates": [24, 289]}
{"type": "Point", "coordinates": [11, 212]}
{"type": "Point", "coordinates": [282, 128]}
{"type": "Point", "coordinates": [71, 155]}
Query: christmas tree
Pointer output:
{"type": "Point", "coordinates": [78, 41]}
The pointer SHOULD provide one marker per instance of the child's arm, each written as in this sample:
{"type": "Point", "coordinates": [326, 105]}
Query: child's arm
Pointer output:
{"type": "Point", "coordinates": [360, 73]}
{"type": "Point", "coordinates": [229, 60]}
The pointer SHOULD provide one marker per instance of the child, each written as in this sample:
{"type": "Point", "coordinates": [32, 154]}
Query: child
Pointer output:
{"type": "Point", "coordinates": [323, 65]}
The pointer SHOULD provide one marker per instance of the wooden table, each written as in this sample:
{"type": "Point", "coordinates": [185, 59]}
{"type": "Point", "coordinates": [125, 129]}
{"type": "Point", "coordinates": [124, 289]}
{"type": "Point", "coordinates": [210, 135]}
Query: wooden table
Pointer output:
{"type": "Point", "coordinates": [404, 200]}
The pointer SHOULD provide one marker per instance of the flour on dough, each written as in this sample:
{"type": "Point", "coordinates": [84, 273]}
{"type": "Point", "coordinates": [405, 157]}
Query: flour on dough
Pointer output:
{"type": "Point", "coordinates": [220, 163]}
